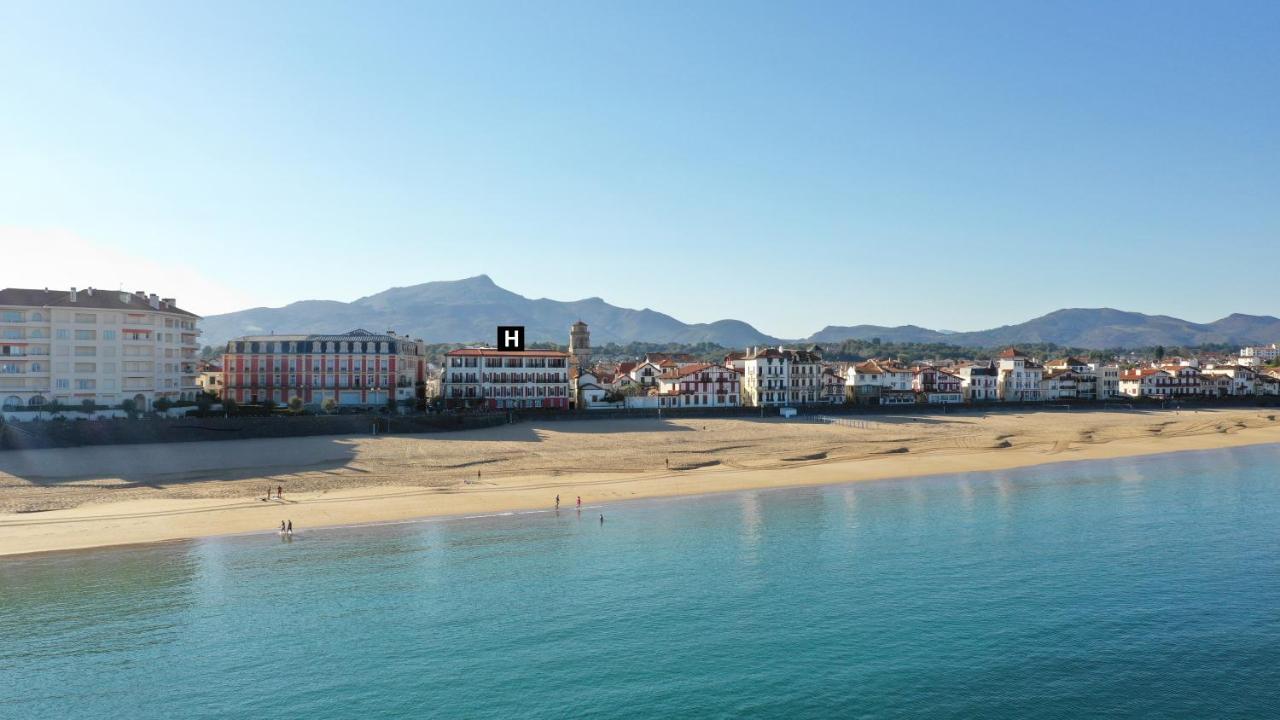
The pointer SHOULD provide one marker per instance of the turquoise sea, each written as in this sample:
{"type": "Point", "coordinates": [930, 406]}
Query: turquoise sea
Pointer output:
{"type": "Point", "coordinates": [1136, 588]}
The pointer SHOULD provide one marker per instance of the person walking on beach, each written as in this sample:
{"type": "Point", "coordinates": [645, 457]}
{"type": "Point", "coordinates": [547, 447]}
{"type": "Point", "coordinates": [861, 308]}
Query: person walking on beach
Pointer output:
{"type": "Point", "coordinates": [279, 492]}
{"type": "Point", "coordinates": [290, 527]}
{"type": "Point", "coordinates": [281, 527]}
{"type": "Point", "coordinates": [557, 502]}
{"type": "Point", "coordinates": [579, 502]}
{"type": "Point", "coordinates": [601, 518]}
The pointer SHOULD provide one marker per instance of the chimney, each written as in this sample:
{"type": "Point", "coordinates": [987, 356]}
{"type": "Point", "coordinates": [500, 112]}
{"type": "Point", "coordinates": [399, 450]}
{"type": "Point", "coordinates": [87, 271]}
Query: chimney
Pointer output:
{"type": "Point", "coordinates": [73, 294]}
{"type": "Point", "coordinates": [168, 302]}
{"type": "Point", "coordinates": [154, 301]}
{"type": "Point", "coordinates": [125, 297]}
{"type": "Point", "coordinates": [89, 292]}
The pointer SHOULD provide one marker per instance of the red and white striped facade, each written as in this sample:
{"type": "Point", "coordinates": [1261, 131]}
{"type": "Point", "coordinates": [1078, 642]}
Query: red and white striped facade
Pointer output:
{"type": "Point", "coordinates": [354, 368]}
{"type": "Point", "coordinates": [500, 379]}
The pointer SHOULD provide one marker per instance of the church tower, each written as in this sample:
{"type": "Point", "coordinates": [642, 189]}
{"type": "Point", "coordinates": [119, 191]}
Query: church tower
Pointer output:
{"type": "Point", "coordinates": [580, 344]}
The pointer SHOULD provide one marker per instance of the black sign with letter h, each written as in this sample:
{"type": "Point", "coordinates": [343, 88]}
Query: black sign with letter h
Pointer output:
{"type": "Point", "coordinates": [511, 337]}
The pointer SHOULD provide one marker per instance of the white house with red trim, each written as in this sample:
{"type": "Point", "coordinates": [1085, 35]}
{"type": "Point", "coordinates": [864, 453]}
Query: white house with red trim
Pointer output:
{"type": "Point", "coordinates": [701, 385]}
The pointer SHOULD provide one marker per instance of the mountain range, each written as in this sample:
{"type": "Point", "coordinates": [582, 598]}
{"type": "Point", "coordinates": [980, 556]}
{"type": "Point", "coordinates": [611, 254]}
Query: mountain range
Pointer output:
{"type": "Point", "coordinates": [469, 310]}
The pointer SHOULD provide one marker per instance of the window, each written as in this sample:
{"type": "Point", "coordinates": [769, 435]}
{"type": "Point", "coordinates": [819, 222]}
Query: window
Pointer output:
{"type": "Point", "coordinates": [62, 334]}
{"type": "Point", "coordinates": [86, 318]}
{"type": "Point", "coordinates": [86, 334]}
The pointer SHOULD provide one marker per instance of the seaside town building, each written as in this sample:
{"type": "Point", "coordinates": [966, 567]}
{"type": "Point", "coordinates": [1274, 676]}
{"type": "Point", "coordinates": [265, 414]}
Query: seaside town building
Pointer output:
{"type": "Point", "coordinates": [587, 388]}
{"type": "Point", "coordinates": [357, 368]}
{"type": "Point", "coordinates": [774, 377]}
{"type": "Point", "coordinates": [1258, 355]}
{"type": "Point", "coordinates": [97, 346]}
{"type": "Point", "coordinates": [833, 385]}
{"type": "Point", "coordinates": [488, 378]}
{"type": "Point", "coordinates": [937, 386]}
{"type": "Point", "coordinates": [979, 383]}
{"type": "Point", "coordinates": [1146, 382]}
{"type": "Point", "coordinates": [209, 379]}
{"type": "Point", "coordinates": [701, 385]}
{"type": "Point", "coordinates": [804, 377]}
{"type": "Point", "coordinates": [1017, 377]}
{"type": "Point", "coordinates": [880, 382]}
{"type": "Point", "coordinates": [1243, 379]}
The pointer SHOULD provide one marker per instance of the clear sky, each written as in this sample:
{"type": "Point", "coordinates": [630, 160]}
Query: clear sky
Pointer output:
{"type": "Point", "coordinates": [956, 165]}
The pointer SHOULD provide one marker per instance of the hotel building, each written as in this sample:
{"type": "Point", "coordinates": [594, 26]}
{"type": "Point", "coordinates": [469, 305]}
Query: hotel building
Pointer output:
{"type": "Point", "coordinates": [101, 346]}
{"type": "Point", "coordinates": [505, 379]}
{"type": "Point", "coordinates": [352, 369]}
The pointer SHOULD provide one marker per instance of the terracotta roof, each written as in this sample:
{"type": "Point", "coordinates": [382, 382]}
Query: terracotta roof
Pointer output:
{"type": "Point", "coordinates": [1010, 353]}
{"type": "Point", "coordinates": [686, 370]}
{"type": "Point", "coordinates": [99, 300]}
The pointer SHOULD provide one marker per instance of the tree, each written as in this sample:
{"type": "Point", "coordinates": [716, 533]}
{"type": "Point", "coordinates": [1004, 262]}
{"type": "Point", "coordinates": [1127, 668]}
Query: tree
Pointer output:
{"type": "Point", "coordinates": [162, 405]}
{"type": "Point", "coordinates": [130, 408]}
{"type": "Point", "coordinates": [1159, 353]}
{"type": "Point", "coordinates": [295, 404]}
{"type": "Point", "coordinates": [330, 405]}
{"type": "Point", "coordinates": [269, 406]}
{"type": "Point", "coordinates": [204, 402]}
{"type": "Point", "coordinates": [230, 406]}
{"type": "Point", "coordinates": [391, 405]}
{"type": "Point", "coordinates": [88, 406]}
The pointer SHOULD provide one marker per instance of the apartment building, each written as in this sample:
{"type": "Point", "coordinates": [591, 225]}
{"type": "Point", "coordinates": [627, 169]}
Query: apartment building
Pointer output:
{"type": "Point", "coordinates": [495, 379]}
{"type": "Point", "coordinates": [774, 377]}
{"type": "Point", "coordinates": [1018, 377]}
{"type": "Point", "coordinates": [1259, 355]}
{"type": "Point", "coordinates": [356, 368]}
{"type": "Point", "coordinates": [100, 346]}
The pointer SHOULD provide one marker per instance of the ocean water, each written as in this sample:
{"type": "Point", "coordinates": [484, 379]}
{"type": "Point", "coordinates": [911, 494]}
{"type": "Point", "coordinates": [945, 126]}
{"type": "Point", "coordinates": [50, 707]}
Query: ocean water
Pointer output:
{"type": "Point", "coordinates": [1145, 587]}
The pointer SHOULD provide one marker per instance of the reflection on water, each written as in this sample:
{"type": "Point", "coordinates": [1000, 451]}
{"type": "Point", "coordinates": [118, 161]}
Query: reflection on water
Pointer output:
{"type": "Point", "coordinates": [1135, 588]}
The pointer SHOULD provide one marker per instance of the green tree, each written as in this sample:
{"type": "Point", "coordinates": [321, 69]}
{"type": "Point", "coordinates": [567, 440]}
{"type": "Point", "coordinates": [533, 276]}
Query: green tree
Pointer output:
{"type": "Point", "coordinates": [269, 406]}
{"type": "Point", "coordinates": [295, 404]}
{"type": "Point", "coordinates": [88, 406]}
{"type": "Point", "coordinates": [162, 404]}
{"type": "Point", "coordinates": [1159, 353]}
{"type": "Point", "coordinates": [130, 408]}
{"type": "Point", "coordinates": [330, 405]}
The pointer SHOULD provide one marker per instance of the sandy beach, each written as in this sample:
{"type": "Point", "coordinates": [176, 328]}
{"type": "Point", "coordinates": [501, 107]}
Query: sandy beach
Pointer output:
{"type": "Point", "coordinates": [96, 496]}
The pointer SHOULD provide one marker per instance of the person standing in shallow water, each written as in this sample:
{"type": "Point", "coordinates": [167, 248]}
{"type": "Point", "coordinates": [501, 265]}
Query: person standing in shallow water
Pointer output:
{"type": "Point", "coordinates": [279, 492]}
{"type": "Point", "coordinates": [557, 502]}
{"type": "Point", "coordinates": [291, 527]}
{"type": "Point", "coordinates": [601, 518]}
{"type": "Point", "coordinates": [579, 502]}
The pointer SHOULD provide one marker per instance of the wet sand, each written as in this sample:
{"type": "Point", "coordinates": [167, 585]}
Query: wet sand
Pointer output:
{"type": "Point", "coordinates": [89, 497]}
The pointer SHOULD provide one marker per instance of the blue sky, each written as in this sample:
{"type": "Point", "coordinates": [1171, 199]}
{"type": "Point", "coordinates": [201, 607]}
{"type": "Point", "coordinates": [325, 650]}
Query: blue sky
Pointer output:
{"type": "Point", "coordinates": [953, 165]}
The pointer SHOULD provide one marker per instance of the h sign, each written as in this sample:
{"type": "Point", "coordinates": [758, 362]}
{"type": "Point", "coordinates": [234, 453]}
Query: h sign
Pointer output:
{"type": "Point", "coordinates": [511, 337]}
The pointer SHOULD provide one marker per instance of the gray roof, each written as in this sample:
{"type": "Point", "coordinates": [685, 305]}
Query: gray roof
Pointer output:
{"type": "Point", "coordinates": [357, 334]}
{"type": "Point", "coordinates": [99, 300]}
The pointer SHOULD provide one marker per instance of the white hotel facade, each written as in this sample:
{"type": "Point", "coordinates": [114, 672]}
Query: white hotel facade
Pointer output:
{"type": "Point", "coordinates": [103, 346]}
